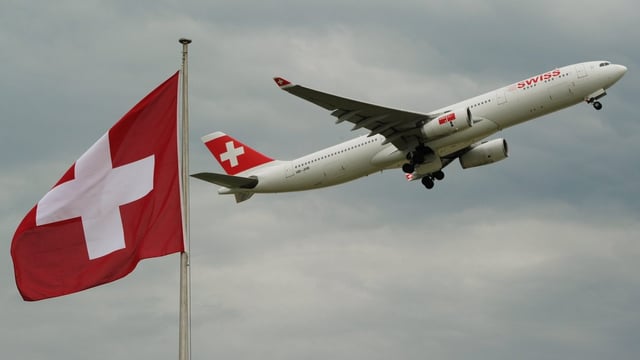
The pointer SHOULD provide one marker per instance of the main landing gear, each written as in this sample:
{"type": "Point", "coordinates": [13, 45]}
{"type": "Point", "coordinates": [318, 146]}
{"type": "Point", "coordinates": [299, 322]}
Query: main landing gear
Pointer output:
{"type": "Point", "coordinates": [415, 158]}
{"type": "Point", "coordinates": [418, 157]}
{"type": "Point", "coordinates": [428, 182]}
{"type": "Point", "coordinates": [408, 168]}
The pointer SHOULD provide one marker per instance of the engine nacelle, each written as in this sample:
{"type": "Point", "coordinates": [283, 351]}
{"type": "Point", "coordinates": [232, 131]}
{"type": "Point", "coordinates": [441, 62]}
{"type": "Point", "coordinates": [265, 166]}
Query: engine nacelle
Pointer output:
{"type": "Point", "coordinates": [448, 123]}
{"type": "Point", "coordinates": [486, 152]}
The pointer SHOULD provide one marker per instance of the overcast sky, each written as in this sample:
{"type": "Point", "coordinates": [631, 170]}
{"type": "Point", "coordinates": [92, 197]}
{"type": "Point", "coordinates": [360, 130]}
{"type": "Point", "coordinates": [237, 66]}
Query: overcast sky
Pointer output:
{"type": "Point", "coordinates": [536, 257]}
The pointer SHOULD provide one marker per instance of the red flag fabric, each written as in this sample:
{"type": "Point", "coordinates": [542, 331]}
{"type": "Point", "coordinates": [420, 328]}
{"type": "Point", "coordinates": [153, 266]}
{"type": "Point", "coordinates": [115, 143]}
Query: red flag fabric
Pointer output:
{"type": "Point", "coordinates": [120, 202]}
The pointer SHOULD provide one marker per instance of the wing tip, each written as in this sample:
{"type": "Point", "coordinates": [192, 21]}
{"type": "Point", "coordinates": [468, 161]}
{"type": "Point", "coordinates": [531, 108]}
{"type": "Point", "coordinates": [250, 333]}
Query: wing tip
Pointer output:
{"type": "Point", "coordinates": [282, 82]}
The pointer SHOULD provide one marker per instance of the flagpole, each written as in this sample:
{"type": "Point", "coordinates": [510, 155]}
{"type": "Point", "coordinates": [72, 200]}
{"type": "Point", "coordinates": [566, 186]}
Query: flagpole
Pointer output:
{"type": "Point", "coordinates": [185, 276]}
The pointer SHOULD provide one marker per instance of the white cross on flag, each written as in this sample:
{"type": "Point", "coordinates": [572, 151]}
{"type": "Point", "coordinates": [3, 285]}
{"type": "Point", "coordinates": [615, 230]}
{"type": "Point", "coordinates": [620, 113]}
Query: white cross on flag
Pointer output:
{"type": "Point", "coordinates": [119, 203]}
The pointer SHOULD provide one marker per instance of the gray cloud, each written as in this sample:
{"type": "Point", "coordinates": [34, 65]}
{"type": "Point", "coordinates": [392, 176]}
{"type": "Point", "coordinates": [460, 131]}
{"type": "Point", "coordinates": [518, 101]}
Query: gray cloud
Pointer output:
{"type": "Point", "coordinates": [533, 257]}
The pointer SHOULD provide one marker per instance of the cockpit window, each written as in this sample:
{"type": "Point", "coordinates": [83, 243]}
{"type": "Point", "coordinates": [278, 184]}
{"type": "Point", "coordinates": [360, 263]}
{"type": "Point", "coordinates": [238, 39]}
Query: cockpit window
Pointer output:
{"type": "Point", "coordinates": [604, 63]}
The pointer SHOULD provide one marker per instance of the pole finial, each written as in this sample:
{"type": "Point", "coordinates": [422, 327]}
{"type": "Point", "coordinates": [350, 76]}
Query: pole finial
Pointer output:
{"type": "Point", "coordinates": [184, 41]}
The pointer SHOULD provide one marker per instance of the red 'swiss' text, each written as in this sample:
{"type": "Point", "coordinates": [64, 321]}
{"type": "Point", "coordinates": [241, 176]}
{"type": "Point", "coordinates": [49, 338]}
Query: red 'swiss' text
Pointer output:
{"type": "Point", "coordinates": [539, 78]}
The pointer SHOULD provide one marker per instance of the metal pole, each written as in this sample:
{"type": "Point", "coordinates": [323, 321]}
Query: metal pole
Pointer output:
{"type": "Point", "coordinates": [185, 276]}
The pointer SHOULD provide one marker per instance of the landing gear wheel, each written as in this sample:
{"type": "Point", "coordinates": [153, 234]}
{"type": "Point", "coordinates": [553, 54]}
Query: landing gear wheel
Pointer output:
{"type": "Point", "coordinates": [597, 105]}
{"type": "Point", "coordinates": [438, 175]}
{"type": "Point", "coordinates": [427, 182]}
{"type": "Point", "coordinates": [408, 168]}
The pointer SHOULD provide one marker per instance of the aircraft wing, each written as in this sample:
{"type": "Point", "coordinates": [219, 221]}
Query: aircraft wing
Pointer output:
{"type": "Point", "coordinates": [228, 181]}
{"type": "Point", "coordinates": [399, 127]}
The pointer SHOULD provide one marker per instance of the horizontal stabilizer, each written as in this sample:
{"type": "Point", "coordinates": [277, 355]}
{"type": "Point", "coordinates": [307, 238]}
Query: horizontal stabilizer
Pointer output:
{"type": "Point", "coordinates": [244, 196]}
{"type": "Point", "coordinates": [231, 182]}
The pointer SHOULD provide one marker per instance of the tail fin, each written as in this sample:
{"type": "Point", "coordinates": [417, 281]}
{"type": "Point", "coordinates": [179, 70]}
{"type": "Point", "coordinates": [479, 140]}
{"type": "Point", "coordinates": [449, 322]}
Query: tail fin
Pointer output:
{"type": "Point", "coordinates": [234, 156]}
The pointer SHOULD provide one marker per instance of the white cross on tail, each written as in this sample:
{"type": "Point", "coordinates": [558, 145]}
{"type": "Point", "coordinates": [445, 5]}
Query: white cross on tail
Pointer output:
{"type": "Point", "coordinates": [232, 153]}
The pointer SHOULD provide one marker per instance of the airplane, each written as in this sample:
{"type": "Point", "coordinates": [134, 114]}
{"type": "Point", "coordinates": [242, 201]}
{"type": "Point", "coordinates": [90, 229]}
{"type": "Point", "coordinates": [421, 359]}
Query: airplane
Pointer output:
{"type": "Point", "coordinates": [421, 144]}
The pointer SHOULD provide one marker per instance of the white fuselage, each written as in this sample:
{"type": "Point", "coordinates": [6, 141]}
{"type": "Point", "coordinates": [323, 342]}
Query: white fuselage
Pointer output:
{"type": "Point", "coordinates": [491, 112]}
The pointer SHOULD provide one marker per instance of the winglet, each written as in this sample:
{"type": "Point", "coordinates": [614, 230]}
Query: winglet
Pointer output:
{"type": "Point", "coordinates": [282, 82]}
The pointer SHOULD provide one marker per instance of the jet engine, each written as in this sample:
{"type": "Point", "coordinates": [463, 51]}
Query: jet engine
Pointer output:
{"type": "Point", "coordinates": [484, 153]}
{"type": "Point", "coordinates": [448, 123]}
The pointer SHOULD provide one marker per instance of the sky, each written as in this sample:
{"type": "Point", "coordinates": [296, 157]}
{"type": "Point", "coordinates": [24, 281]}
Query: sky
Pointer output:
{"type": "Point", "coordinates": [535, 257]}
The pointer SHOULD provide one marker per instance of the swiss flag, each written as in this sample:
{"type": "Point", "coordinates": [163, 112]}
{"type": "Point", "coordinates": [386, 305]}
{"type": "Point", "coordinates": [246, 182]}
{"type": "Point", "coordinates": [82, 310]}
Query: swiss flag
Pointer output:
{"type": "Point", "coordinates": [119, 203]}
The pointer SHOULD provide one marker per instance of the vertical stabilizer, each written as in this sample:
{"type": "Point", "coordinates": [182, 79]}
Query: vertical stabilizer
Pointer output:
{"type": "Point", "coordinates": [234, 156]}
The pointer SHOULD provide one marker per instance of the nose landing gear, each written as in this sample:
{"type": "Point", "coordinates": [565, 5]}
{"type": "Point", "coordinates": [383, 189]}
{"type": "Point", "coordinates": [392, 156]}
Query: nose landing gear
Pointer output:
{"type": "Point", "coordinates": [597, 105]}
{"type": "Point", "coordinates": [593, 98]}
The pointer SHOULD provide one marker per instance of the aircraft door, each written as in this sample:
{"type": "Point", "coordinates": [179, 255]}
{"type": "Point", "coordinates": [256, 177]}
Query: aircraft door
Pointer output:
{"type": "Point", "coordinates": [560, 92]}
{"type": "Point", "coordinates": [289, 170]}
{"type": "Point", "coordinates": [501, 96]}
{"type": "Point", "coordinates": [581, 71]}
{"type": "Point", "coordinates": [334, 170]}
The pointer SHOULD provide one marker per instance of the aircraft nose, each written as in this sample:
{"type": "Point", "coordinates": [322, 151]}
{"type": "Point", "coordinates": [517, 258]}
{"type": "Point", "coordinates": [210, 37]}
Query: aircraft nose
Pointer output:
{"type": "Point", "coordinates": [615, 72]}
{"type": "Point", "coordinates": [620, 71]}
